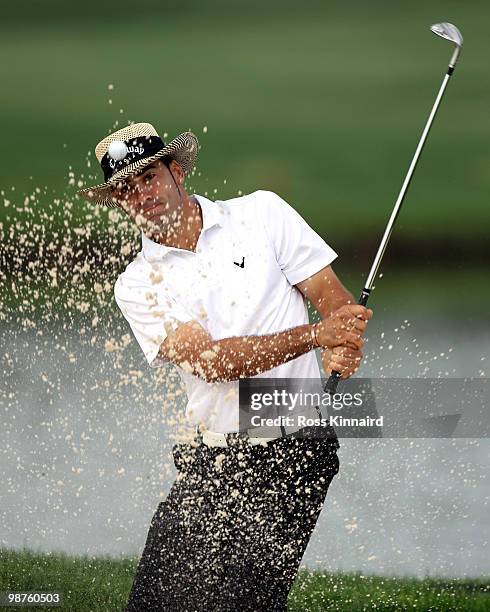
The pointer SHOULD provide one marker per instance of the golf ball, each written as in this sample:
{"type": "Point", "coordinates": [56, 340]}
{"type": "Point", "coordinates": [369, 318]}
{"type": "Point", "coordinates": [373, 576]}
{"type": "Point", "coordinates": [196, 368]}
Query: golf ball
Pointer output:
{"type": "Point", "coordinates": [118, 150]}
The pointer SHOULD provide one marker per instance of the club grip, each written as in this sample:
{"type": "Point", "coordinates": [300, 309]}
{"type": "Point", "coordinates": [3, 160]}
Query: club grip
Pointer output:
{"type": "Point", "coordinates": [333, 380]}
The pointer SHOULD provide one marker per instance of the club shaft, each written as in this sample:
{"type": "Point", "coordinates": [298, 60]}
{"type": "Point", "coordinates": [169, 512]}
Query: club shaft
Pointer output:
{"type": "Point", "coordinates": [334, 378]}
{"type": "Point", "coordinates": [406, 183]}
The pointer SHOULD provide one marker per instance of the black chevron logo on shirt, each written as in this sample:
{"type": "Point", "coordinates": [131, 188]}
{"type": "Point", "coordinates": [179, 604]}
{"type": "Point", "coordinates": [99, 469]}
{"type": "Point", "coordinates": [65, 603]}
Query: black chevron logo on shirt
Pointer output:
{"type": "Point", "coordinates": [240, 265]}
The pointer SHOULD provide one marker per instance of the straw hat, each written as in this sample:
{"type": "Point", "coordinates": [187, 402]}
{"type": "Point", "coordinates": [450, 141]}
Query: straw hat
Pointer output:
{"type": "Point", "coordinates": [127, 151]}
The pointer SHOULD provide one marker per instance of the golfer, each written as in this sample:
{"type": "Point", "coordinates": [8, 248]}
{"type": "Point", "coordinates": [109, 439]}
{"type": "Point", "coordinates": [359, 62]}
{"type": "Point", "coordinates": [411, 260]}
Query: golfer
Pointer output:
{"type": "Point", "coordinates": [219, 289]}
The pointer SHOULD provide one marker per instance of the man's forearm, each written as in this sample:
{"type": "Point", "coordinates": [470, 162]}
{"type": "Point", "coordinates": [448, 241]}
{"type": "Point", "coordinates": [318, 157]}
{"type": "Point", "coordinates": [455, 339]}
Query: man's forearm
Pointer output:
{"type": "Point", "coordinates": [326, 292]}
{"type": "Point", "coordinates": [244, 356]}
{"type": "Point", "coordinates": [333, 301]}
{"type": "Point", "coordinates": [193, 349]}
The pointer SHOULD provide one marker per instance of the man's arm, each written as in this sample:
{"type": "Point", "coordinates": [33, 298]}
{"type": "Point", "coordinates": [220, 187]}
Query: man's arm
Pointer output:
{"type": "Point", "coordinates": [326, 292]}
{"type": "Point", "coordinates": [192, 347]}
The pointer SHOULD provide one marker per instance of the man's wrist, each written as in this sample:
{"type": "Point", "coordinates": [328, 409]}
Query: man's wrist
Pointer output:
{"type": "Point", "coordinates": [314, 336]}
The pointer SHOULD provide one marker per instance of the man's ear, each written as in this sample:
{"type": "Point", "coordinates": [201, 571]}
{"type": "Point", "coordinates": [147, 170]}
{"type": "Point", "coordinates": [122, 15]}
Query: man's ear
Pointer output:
{"type": "Point", "coordinates": [177, 171]}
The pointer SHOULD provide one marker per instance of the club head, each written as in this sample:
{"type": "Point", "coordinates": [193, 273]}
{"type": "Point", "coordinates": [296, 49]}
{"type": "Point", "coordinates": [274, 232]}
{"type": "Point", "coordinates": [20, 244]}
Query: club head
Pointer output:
{"type": "Point", "coordinates": [449, 32]}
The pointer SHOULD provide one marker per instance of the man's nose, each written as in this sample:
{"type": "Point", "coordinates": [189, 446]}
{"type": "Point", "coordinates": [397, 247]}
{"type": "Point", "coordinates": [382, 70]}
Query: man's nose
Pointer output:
{"type": "Point", "coordinates": [139, 196]}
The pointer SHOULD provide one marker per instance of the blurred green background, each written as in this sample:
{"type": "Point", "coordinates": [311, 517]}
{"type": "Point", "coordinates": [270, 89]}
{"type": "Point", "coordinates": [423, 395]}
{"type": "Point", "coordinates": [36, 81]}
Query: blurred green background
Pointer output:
{"type": "Point", "coordinates": [322, 102]}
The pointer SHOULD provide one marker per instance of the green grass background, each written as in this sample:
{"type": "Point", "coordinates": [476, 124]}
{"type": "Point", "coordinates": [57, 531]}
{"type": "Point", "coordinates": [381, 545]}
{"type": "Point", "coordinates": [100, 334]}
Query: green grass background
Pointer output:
{"type": "Point", "coordinates": [322, 102]}
{"type": "Point", "coordinates": [90, 584]}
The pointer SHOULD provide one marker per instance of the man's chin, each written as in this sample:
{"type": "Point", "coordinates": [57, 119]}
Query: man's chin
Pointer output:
{"type": "Point", "coordinates": [156, 223]}
{"type": "Point", "coordinates": [154, 232]}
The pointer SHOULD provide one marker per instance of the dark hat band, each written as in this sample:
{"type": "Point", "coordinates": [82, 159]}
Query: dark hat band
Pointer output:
{"type": "Point", "coordinates": [138, 148]}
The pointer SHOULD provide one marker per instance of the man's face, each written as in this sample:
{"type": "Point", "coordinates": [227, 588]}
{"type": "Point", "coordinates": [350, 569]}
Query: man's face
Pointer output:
{"type": "Point", "coordinates": [151, 197]}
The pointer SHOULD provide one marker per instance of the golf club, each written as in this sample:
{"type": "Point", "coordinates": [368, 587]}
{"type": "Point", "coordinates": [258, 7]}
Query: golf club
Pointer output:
{"type": "Point", "coordinates": [449, 32]}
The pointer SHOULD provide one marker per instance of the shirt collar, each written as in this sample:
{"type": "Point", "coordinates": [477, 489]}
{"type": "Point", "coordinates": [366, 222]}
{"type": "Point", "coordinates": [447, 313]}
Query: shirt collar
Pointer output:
{"type": "Point", "coordinates": [212, 214]}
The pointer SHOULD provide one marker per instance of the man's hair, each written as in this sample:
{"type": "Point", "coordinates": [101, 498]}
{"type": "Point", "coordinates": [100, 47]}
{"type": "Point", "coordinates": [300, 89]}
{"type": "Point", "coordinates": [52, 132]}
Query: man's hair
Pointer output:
{"type": "Point", "coordinates": [166, 159]}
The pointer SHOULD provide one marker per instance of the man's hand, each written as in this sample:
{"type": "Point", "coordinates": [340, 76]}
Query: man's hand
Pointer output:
{"type": "Point", "coordinates": [342, 324]}
{"type": "Point", "coordinates": [341, 359]}
{"type": "Point", "coordinates": [344, 327]}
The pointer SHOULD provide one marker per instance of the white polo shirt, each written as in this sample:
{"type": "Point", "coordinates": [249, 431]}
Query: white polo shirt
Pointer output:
{"type": "Point", "coordinates": [251, 252]}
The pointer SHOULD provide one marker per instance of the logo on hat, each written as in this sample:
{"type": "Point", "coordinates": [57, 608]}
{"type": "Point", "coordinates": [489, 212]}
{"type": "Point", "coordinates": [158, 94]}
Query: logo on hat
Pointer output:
{"type": "Point", "coordinates": [118, 150]}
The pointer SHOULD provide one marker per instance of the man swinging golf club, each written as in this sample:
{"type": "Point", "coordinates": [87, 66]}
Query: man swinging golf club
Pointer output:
{"type": "Point", "coordinates": [219, 289]}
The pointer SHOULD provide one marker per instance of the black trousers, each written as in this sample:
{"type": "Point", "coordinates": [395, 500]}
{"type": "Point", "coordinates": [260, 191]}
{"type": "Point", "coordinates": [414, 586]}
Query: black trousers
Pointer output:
{"type": "Point", "coordinates": [232, 531]}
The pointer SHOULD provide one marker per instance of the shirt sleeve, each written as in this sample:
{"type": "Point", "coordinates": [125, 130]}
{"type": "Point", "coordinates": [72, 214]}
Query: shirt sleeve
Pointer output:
{"type": "Point", "coordinates": [299, 250]}
{"type": "Point", "coordinates": [151, 313]}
